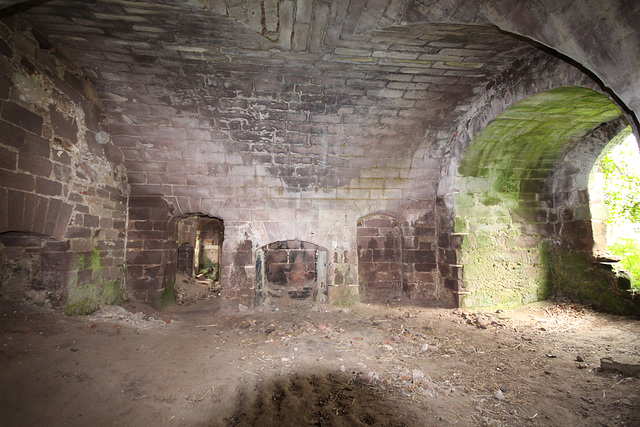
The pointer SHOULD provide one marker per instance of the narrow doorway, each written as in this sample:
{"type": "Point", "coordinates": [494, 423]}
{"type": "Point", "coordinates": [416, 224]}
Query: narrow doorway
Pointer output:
{"type": "Point", "coordinates": [199, 256]}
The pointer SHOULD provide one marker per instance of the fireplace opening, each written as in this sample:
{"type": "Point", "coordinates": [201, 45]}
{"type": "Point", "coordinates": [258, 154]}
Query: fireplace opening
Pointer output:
{"type": "Point", "coordinates": [291, 271]}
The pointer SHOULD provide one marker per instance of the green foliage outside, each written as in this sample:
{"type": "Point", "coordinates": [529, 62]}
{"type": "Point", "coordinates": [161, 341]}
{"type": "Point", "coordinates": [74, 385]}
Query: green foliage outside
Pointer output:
{"type": "Point", "coordinates": [622, 185]}
{"type": "Point", "coordinates": [621, 170]}
{"type": "Point", "coordinates": [629, 250]}
{"type": "Point", "coordinates": [210, 269]}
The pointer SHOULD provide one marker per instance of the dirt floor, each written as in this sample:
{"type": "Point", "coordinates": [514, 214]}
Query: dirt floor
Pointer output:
{"type": "Point", "coordinates": [316, 365]}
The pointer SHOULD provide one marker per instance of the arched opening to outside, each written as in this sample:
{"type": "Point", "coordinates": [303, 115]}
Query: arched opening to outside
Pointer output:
{"type": "Point", "coordinates": [523, 205]}
{"type": "Point", "coordinates": [199, 257]}
{"type": "Point", "coordinates": [614, 189]}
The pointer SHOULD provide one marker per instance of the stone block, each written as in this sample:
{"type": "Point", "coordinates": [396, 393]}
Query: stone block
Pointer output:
{"type": "Point", "coordinates": [91, 221]}
{"type": "Point", "coordinates": [17, 181]}
{"type": "Point", "coordinates": [34, 164]}
{"type": "Point", "coordinates": [51, 219]}
{"type": "Point", "coordinates": [63, 126]}
{"type": "Point", "coordinates": [15, 211]}
{"type": "Point", "coordinates": [48, 187]}
{"type": "Point", "coordinates": [8, 159]}
{"type": "Point", "coordinates": [22, 117]}
{"type": "Point", "coordinates": [627, 365]}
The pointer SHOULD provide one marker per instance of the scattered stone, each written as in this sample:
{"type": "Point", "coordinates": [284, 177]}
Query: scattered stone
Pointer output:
{"type": "Point", "coordinates": [624, 364]}
{"type": "Point", "coordinates": [499, 395]}
{"type": "Point", "coordinates": [369, 378]}
{"type": "Point", "coordinates": [242, 308]}
{"type": "Point", "coordinates": [19, 329]}
{"type": "Point", "coordinates": [579, 359]}
{"type": "Point", "coordinates": [483, 322]}
{"type": "Point", "coordinates": [626, 402]}
{"type": "Point", "coordinates": [123, 316]}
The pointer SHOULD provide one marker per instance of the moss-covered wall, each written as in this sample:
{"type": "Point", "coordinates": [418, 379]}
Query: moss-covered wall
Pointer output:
{"type": "Point", "coordinates": [575, 275]}
{"type": "Point", "coordinates": [97, 287]}
{"type": "Point", "coordinates": [504, 209]}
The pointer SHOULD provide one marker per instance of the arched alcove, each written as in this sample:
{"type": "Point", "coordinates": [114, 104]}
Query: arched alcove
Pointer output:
{"type": "Point", "coordinates": [34, 268]}
{"type": "Point", "coordinates": [380, 259]}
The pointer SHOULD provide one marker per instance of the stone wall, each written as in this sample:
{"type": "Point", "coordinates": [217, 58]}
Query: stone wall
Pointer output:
{"type": "Point", "coordinates": [294, 122]}
{"type": "Point", "coordinates": [60, 179]}
{"type": "Point", "coordinates": [223, 123]}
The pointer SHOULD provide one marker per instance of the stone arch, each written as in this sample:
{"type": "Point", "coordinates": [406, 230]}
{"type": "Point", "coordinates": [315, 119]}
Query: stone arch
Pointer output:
{"type": "Point", "coordinates": [535, 73]}
{"type": "Point", "coordinates": [506, 246]}
{"type": "Point", "coordinates": [34, 214]}
{"type": "Point", "coordinates": [578, 202]}
{"type": "Point", "coordinates": [152, 246]}
{"type": "Point", "coordinates": [546, 25]}
{"type": "Point", "coordinates": [380, 259]}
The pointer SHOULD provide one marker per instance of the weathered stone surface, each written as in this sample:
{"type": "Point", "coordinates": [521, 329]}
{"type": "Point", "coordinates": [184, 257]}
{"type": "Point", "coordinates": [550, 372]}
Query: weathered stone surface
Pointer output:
{"type": "Point", "coordinates": [293, 120]}
{"type": "Point", "coordinates": [42, 114]}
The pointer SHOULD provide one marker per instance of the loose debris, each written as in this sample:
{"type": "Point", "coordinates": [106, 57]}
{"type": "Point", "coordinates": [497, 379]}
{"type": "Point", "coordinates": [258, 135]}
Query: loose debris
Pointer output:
{"type": "Point", "coordinates": [480, 320]}
{"type": "Point", "coordinates": [114, 313]}
{"type": "Point", "coordinates": [189, 290]}
{"type": "Point", "coordinates": [362, 365]}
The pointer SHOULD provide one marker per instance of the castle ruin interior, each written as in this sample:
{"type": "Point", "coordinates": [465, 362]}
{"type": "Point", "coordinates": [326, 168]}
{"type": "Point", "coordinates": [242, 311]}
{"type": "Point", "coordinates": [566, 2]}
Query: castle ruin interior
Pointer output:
{"type": "Point", "coordinates": [318, 153]}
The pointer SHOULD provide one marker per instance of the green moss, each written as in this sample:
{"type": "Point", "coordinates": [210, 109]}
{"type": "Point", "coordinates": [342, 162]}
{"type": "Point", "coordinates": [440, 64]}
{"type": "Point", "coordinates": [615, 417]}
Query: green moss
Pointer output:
{"type": "Point", "coordinates": [168, 296]}
{"type": "Point", "coordinates": [460, 225]}
{"type": "Point", "coordinates": [576, 276]}
{"type": "Point", "coordinates": [491, 200]}
{"type": "Point", "coordinates": [210, 269]}
{"type": "Point", "coordinates": [95, 261]}
{"type": "Point", "coordinates": [345, 295]}
{"type": "Point", "coordinates": [503, 173]}
{"type": "Point", "coordinates": [531, 135]}
{"type": "Point", "coordinates": [87, 298]}
{"type": "Point", "coordinates": [497, 270]}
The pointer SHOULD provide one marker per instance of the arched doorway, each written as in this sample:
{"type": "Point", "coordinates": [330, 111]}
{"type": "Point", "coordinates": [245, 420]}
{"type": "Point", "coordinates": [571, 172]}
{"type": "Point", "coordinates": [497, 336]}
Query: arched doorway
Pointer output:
{"type": "Point", "coordinates": [614, 203]}
{"type": "Point", "coordinates": [199, 257]}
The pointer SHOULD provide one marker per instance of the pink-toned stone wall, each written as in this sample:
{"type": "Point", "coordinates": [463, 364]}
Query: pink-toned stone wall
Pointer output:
{"type": "Point", "coordinates": [56, 180]}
